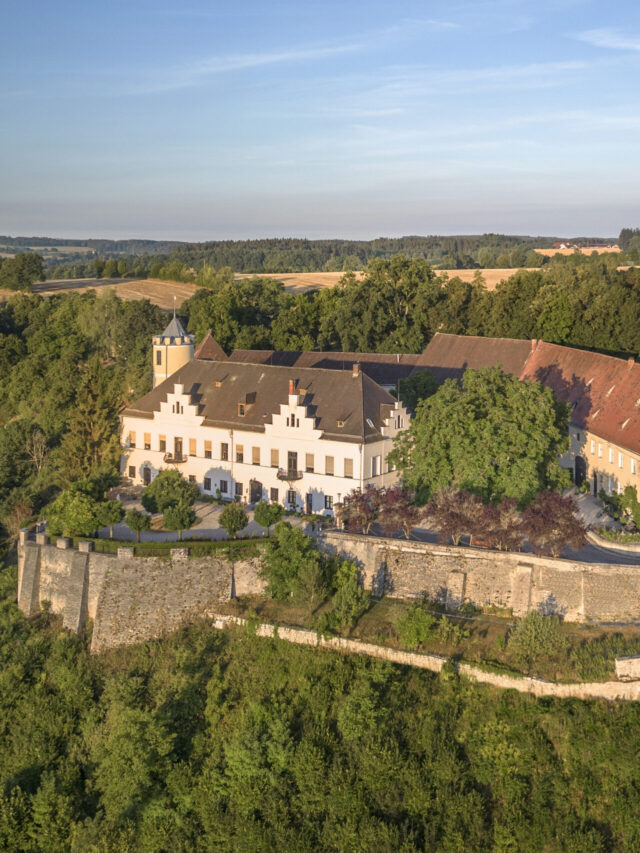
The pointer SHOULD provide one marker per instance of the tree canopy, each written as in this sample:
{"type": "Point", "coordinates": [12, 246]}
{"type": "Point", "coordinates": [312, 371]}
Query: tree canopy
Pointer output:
{"type": "Point", "coordinates": [491, 435]}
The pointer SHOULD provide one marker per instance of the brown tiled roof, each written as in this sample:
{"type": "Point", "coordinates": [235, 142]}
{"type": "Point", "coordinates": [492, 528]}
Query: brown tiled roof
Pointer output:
{"type": "Point", "coordinates": [604, 392]}
{"type": "Point", "coordinates": [448, 356]}
{"type": "Point", "coordinates": [209, 349]}
{"type": "Point", "coordinates": [332, 397]}
{"type": "Point", "coordinates": [383, 368]}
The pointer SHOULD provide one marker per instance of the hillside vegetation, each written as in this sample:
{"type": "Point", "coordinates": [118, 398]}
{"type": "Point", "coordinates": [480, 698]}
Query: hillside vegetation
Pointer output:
{"type": "Point", "coordinates": [207, 741]}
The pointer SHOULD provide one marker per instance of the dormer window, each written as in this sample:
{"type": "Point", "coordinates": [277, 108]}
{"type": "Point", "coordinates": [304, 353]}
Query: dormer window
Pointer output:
{"type": "Point", "coordinates": [340, 422]}
{"type": "Point", "coordinates": [241, 410]}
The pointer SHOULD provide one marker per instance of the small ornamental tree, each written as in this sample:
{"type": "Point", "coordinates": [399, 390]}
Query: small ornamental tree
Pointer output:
{"type": "Point", "coordinates": [233, 519]}
{"type": "Point", "coordinates": [503, 525]}
{"type": "Point", "coordinates": [137, 521]}
{"type": "Point", "coordinates": [267, 514]}
{"type": "Point", "coordinates": [74, 514]}
{"type": "Point", "coordinates": [169, 489]}
{"type": "Point", "coordinates": [180, 517]}
{"type": "Point", "coordinates": [360, 509]}
{"type": "Point", "coordinates": [455, 514]}
{"type": "Point", "coordinates": [111, 513]}
{"type": "Point", "coordinates": [398, 511]}
{"type": "Point", "coordinates": [550, 524]}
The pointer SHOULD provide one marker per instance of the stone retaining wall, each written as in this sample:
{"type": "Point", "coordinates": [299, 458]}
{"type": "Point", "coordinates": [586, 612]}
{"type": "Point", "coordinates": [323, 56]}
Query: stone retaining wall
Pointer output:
{"type": "Point", "coordinates": [517, 581]}
{"type": "Point", "coordinates": [130, 599]}
{"type": "Point", "coordinates": [609, 690]}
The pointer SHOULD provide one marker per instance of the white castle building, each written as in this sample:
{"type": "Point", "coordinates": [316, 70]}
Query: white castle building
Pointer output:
{"type": "Point", "coordinates": [303, 437]}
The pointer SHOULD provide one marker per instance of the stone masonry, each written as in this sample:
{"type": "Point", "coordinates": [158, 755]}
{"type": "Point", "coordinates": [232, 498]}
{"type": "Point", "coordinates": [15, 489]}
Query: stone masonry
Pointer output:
{"type": "Point", "coordinates": [130, 599]}
{"type": "Point", "coordinates": [519, 582]}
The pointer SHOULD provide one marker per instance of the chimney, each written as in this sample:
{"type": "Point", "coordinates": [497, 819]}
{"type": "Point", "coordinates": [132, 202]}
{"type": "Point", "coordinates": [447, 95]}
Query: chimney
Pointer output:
{"type": "Point", "coordinates": [630, 362]}
{"type": "Point", "coordinates": [534, 344]}
{"type": "Point", "coordinates": [291, 387]}
{"type": "Point", "coordinates": [356, 371]}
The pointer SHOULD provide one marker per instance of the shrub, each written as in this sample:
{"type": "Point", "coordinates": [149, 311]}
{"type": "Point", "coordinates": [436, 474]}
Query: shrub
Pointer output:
{"type": "Point", "coordinates": [535, 637]}
{"type": "Point", "coordinates": [350, 599]}
{"type": "Point", "coordinates": [416, 625]}
{"type": "Point", "coordinates": [267, 514]}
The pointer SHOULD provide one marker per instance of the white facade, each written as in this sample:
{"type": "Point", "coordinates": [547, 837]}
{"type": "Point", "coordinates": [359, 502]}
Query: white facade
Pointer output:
{"type": "Point", "coordinates": [287, 461]}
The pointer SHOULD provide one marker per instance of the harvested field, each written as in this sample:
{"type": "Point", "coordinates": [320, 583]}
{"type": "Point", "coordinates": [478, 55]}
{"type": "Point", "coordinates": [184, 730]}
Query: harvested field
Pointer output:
{"type": "Point", "coordinates": [588, 250]}
{"type": "Point", "coordinates": [160, 293]}
{"type": "Point", "coordinates": [490, 277]}
{"type": "Point", "coordinates": [300, 282]}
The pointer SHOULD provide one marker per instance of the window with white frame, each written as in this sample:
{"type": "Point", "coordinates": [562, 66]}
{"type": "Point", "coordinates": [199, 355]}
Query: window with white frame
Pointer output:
{"type": "Point", "coordinates": [593, 447]}
{"type": "Point", "coordinates": [620, 460]}
{"type": "Point", "coordinates": [599, 451]}
{"type": "Point", "coordinates": [633, 466]}
{"type": "Point", "coordinates": [611, 455]}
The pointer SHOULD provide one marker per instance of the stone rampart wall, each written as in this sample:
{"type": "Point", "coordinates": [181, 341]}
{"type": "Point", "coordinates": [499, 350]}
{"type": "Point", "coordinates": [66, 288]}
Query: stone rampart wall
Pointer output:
{"type": "Point", "coordinates": [521, 582]}
{"type": "Point", "coordinates": [130, 599]}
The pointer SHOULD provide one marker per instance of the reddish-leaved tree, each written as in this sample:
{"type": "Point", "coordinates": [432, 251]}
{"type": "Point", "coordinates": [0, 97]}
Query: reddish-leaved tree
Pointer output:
{"type": "Point", "coordinates": [550, 523]}
{"type": "Point", "coordinates": [504, 525]}
{"type": "Point", "coordinates": [360, 509]}
{"type": "Point", "coordinates": [398, 511]}
{"type": "Point", "coordinates": [454, 514]}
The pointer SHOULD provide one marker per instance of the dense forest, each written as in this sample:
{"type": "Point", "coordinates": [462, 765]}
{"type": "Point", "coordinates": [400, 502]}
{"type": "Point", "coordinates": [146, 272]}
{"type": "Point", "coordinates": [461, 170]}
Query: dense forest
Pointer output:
{"type": "Point", "coordinates": [205, 741]}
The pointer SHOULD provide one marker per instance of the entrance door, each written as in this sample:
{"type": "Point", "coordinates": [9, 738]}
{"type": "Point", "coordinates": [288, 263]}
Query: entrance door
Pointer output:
{"type": "Point", "coordinates": [292, 461]}
{"type": "Point", "coordinates": [580, 470]}
{"type": "Point", "coordinates": [177, 448]}
{"type": "Point", "coordinates": [255, 492]}
{"type": "Point", "coordinates": [595, 485]}
{"type": "Point", "coordinates": [146, 476]}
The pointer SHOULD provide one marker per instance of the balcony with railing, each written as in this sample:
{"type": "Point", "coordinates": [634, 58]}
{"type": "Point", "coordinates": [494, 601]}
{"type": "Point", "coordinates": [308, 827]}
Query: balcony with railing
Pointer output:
{"type": "Point", "coordinates": [289, 474]}
{"type": "Point", "coordinates": [174, 458]}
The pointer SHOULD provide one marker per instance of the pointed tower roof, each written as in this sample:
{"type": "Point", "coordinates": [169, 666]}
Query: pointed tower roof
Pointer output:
{"type": "Point", "coordinates": [175, 329]}
{"type": "Point", "coordinates": [210, 350]}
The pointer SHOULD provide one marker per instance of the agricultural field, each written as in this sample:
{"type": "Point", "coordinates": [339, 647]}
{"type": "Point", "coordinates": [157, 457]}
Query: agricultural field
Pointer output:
{"type": "Point", "coordinates": [588, 250]}
{"type": "Point", "coordinates": [161, 293]}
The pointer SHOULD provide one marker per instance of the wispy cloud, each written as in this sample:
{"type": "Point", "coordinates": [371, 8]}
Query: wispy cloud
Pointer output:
{"type": "Point", "coordinates": [610, 38]}
{"type": "Point", "coordinates": [190, 74]}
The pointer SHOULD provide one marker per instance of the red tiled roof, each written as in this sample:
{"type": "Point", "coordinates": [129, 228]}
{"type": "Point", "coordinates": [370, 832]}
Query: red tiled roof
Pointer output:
{"type": "Point", "coordinates": [604, 391]}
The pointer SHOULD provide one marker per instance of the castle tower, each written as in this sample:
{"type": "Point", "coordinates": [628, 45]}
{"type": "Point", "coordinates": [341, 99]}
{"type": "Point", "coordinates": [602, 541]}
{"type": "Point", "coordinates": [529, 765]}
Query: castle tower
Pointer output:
{"type": "Point", "coordinates": [171, 350]}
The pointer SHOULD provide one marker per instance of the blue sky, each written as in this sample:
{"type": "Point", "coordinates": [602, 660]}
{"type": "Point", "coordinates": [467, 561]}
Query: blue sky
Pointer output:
{"type": "Point", "coordinates": [210, 120]}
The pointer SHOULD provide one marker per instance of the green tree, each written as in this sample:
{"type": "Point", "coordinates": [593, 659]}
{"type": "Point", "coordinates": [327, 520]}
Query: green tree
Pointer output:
{"type": "Point", "coordinates": [111, 513]}
{"type": "Point", "coordinates": [169, 489]}
{"type": "Point", "coordinates": [417, 387]}
{"type": "Point", "coordinates": [233, 519]}
{"type": "Point", "coordinates": [137, 521]}
{"type": "Point", "coordinates": [74, 514]}
{"type": "Point", "coordinates": [350, 599]}
{"type": "Point", "coordinates": [491, 435]}
{"type": "Point", "coordinates": [267, 514]}
{"type": "Point", "coordinates": [179, 517]}
{"type": "Point", "coordinates": [291, 562]}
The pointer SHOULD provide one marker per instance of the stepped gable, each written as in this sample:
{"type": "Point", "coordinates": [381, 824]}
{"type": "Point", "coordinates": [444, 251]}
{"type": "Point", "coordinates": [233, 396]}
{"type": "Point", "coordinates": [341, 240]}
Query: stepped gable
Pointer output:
{"type": "Point", "coordinates": [209, 349]}
{"type": "Point", "coordinates": [604, 391]}
{"type": "Point", "coordinates": [448, 356]}
{"type": "Point", "coordinates": [346, 405]}
{"type": "Point", "coordinates": [383, 368]}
